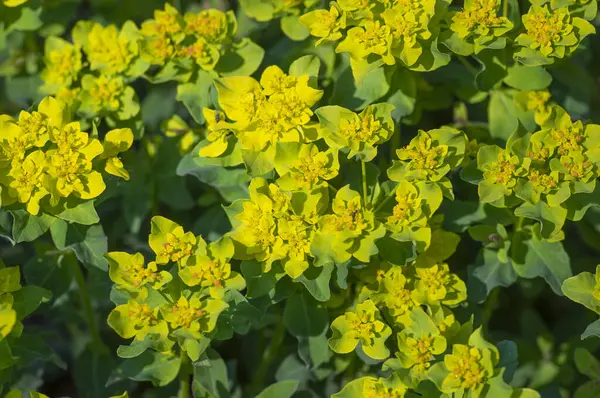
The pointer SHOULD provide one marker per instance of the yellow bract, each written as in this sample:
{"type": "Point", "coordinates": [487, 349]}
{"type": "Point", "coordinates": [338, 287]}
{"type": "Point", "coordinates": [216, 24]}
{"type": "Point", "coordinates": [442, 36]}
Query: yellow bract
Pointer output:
{"type": "Point", "coordinates": [274, 110]}
{"type": "Point", "coordinates": [46, 159]}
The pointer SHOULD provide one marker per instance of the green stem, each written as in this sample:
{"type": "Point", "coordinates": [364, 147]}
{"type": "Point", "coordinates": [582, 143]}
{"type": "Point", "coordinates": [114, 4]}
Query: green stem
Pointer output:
{"type": "Point", "coordinates": [505, 8]}
{"type": "Point", "coordinates": [385, 200]}
{"type": "Point", "coordinates": [519, 223]}
{"type": "Point", "coordinates": [87, 305]}
{"type": "Point", "coordinates": [489, 306]}
{"type": "Point", "coordinates": [364, 180]}
{"type": "Point", "coordinates": [395, 143]}
{"type": "Point", "coordinates": [165, 296]}
{"type": "Point", "coordinates": [184, 376]}
{"type": "Point", "coordinates": [467, 64]}
{"type": "Point", "coordinates": [332, 189]}
{"type": "Point", "coordinates": [270, 354]}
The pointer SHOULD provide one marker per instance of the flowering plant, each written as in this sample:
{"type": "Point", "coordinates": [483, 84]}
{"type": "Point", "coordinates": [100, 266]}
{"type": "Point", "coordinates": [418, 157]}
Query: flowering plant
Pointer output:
{"type": "Point", "coordinates": [277, 198]}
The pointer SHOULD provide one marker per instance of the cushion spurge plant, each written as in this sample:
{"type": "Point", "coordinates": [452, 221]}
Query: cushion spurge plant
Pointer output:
{"type": "Point", "coordinates": [299, 198]}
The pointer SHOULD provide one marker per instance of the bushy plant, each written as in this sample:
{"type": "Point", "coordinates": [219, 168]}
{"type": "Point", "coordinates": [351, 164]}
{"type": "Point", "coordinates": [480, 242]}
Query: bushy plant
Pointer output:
{"type": "Point", "coordinates": [277, 198]}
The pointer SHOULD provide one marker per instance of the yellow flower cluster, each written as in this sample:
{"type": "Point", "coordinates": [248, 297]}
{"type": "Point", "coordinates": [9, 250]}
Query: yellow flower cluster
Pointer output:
{"type": "Point", "coordinates": [375, 33]}
{"type": "Point", "coordinates": [197, 37]}
{"type": "Point", "coordinates": [93, 73]}
{"type": "Point", "coordinates": [276, 109]}
{"type": "Point", "coordinates": [158, 312]}
{"type": "Point", "coordinates": [46, 158]}
{"type": "Point", "coordinates": [113, 58]}
{"type": "Point", "coordinates": [548, 166]}
{"type": "Point", "coordinates": [394, 30]}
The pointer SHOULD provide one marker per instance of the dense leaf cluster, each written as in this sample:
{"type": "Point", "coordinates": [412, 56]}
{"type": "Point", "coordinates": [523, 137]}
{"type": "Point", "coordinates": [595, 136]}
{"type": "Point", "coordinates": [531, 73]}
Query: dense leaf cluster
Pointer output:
{"type": "Point", "coordinates": [360, 207]}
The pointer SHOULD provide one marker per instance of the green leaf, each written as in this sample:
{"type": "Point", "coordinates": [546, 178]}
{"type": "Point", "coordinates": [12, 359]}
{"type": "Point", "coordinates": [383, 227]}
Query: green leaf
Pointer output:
{"type": "Point", "coordinates": [316, 281]}
{"type": "Point", "coordinates": [589, 389]}
{"type": "Point", "coordinates": [28, 299]}
{"type": "Point", "coordinates": [79, 212]}
{"type": "Point", "coordinates": [579, 289]}
{"type": "Point", "coordinates": [459, 215]}
{"type": "Point", "coordinates": [528, 77]}
{"type": "Point", "coordinates": [509, 358]}
{"type": "Point", "coordinates": [259, 283]}
{"type": "Point", "coordinates": [210, 376]}
{"type": "Point", "coordinates": [291, 26]}
{"type": "Point", "coordinates": [304, 316]}
{"type": "Point", "coordinates": [314, 350]}
{"type": "Point", "coordinates": [551, 219]}
{"type": "Point", "coordinates": [586, 363]}
{"type": "Point", "coordinates": [396, 252]}
{"type": "Point", "coordinates": [502, 115]}
{"type": "Point", "coordinates": [353, 389]}
{"type": "Point", "coordinates": [50, 270]}
{"type": "Point", "coordinates": [33, 351]}
{"type": "Point", "coordinates": [403, 93]}
{"type": "Point", "coordinates": [136, 348]}
{"type": "Point", "coordinates": [282, 389]}
{"type": "Point", "coordinates": [593, 329]}
{"type": "Point", "coordinates": [492, 272]}
{"type": "Point", "coordinates": [89, 243]}
{"type": "Point", "coordinates": [92, 370]}
{"type": "Point", "coordinates": [493, 69]}
{"type": "Point", "coordinates": [27, 228]}
{"type": "Point", "coordinates": [306, 65]}
{"type": "Point", "coordinates": [243, 59]}
{"type": "Point", "coordinates": [29, 20]}
{"type": "Point", "coordinates": [196, 95]}
{"type": "Point", "coordinates": [158, 368]}
{"type": "Point", "coordinates": [533, 256]}
{"type": "Point", "coordinates": [357, 95]}
{"type": "Point", "coordinates": [238, 317]}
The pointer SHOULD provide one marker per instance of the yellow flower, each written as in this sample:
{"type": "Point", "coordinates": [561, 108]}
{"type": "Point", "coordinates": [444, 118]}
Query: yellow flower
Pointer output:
{"type": "Point", "coordinates": [166, 23]}
{"type": "Point", "coordinates": [468, 368]}
{"type": "Point", "coordinates": [479, 20]}
{"type": "Point", "coordinates": [296, 236]}
{"type": "Point", "coordinates": [361, 133]}
{"type": "Point", "coordinates": [24, 181]}
{"type": "Point", "coordinates": [395, 292]}
{"type": "Point", "coordinates": [536, 101]}
{"type": "Point", "coordinates": [550, 34]}
{"type": "Point", "coordinates": [407, 211]}
{"type": "Point", "coordinates": [407, 28]}
{"type": "Point", "coordinates": [137, 319]}
{"type": "Point", "coordinates": [363, 325]}
{"type": "Point", "coordinates": [34, 125]}
{"type": "Point", "coordinates": [63, 63]}
{"type": "Point", "coordinates": [325, 24]}
{"type": "Point", "coordinates": [203, 53]}
{"type": "Point", "coordinates": [130, 272]}
{"type": "Point", "coordinates": [257, 231]}
{"type": "Point", "coordinates": [436, 284]}
{"type": "Point", "coordinates": [158, 50]}
{"type": "Point", "coordinates": [376, 388]}
{"type": "Point", "coordinates": [68, 95]}
{"type": "Point", "coordinates": [240, 97]}
{"type": "Point", "coordinates": [218, 133]}
{"type": "Point", "coordinates": [103, 92]}
{"type": "Point", "coordinates": [212, 25]}
{"type": "Point", "coordinates": [310, 168]}
{"type": "Point", "coordinates": [14, 143]}
{"type": "Point", "coordinates": [371, 38]}
{"type": "Point", "coordinates": [71, 172]}
{"type": "Point", "coordinates": [115, 142]}
{"type": "Point", "coordinates": [196, 314]}
{"type": "Point", "coordinates": [13, 3]}
{"type": "Point", "coordinates": [109, 50]}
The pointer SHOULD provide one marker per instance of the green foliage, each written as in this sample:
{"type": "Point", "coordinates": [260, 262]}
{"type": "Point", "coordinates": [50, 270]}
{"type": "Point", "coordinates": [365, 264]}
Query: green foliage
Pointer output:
{"type": "Point", "coordinates": [288, 198]}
